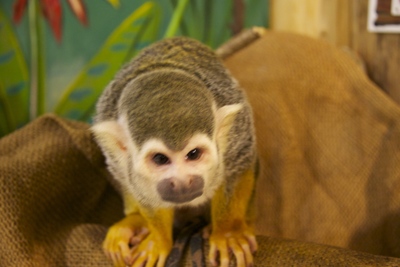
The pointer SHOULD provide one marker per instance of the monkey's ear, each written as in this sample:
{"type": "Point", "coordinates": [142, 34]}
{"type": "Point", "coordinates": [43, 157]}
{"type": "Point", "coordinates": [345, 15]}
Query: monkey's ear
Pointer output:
{"type": "Point", "coordinates": [111, 137]}
{"type": "Point", "coordinates": [225, 116]}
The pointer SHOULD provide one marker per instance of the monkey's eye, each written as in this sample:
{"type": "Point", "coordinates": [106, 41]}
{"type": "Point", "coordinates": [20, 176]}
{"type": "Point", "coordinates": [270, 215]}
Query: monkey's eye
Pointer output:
{"type": "Point", "coordinates": [194, 154]}
{"type": "Point", "coordinates": [160, 159]}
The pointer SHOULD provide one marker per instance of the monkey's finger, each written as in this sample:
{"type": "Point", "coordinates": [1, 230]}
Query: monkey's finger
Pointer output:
{"type": "Point", "coordinates": [141, 259]}
{"type": "Point", "coordinates": [151, 255]}
{"type": "Point", "coordinates": [117, 260]}
{"type": "Point", "coordinates": [107, 248]}
{"type": "Point", "coordinates": [252, 242]}
{"type": "Point", "coordinates": [151, 260]}
{"type": "Point", "coordinates": [120, 259]}
{"type": "Point", "coordinates": [142, 231]}
{"type": "Point", "coordinates": [162, 260]}
{"type": "Point", "coordinates": [212, 254]}
{"type": "Point", "coordinates": [126, 253]}
{"type": "Point", "coordinates": [142, 252]}
{"type": "Point", "coordinates": [224, 257]}
{"type": "Point", "coordinates": [134, 255]}
{"type": "Point", "coordinates": [238, 252]}
{"type": "Point", "coordinates": [219, 247]}
{"type": "Point", "coordinates": [139, 236]}
{"type": "Point", "coordinates": [244, 244]}
{"type": "Point", "coordinates": [118, 255]}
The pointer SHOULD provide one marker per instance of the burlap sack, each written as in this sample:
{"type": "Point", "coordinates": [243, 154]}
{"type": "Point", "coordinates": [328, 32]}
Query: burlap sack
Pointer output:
{"type": "Point", "coordinates": [328, 143]}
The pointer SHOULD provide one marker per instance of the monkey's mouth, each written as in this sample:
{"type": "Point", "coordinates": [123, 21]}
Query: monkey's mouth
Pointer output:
{"type": "Point", "coordinates": [182, 197]}
{"type": "Point", "coordinates": [180, 191]}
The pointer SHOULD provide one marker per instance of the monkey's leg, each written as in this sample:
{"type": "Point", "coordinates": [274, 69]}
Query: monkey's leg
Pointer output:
{"type": "Point", "coordinates": [231, 229]}
{"type": "Point", "coordinates": [155, 248]}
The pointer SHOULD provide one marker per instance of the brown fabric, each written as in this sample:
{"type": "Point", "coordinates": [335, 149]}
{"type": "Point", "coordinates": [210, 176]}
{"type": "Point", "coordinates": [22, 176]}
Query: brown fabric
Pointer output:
{"type": "Point", "coordinates": [328, 142]}
{"type": "Point", "coordinates": [55, 200]}
{"type": "Point", "coordinates": [280, 252]}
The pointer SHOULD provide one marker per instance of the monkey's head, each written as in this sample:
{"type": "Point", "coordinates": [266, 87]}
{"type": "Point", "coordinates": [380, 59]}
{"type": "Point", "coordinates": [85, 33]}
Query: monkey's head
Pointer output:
{"type": "Point", "coordinates": [167, 145]}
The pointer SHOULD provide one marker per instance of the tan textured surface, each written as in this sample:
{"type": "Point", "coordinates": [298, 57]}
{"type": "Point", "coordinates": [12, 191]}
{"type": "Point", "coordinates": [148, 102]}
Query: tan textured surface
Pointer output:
{"type": "Point", "coordinates": [329, 142]}
{"type": "Point", "coordinates": [329, 151]}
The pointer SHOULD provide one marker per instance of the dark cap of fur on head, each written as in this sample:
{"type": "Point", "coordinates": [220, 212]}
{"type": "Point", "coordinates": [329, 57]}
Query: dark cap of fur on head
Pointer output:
{"type": "Point", "coordinates": [169, 105]}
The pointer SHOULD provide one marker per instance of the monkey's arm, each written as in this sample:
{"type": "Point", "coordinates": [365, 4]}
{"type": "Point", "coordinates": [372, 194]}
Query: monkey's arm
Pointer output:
{"type": "Point", "coordinates": [144, 235]}
{"type": "Point", "coordinates": [232, 228]}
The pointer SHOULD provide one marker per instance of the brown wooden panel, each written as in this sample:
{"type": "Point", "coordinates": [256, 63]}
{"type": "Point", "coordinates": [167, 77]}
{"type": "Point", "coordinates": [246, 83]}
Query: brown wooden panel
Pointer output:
{"type": "Point", "coordinates": [380, 51]}
{"type": "Point", "coordinates": [344, 23]}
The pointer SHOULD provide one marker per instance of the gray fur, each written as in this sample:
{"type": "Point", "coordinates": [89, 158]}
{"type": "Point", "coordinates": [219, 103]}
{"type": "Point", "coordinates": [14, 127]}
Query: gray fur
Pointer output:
{"type": "Point", "coordinates": [186, 68]}
{"type": "Point", "coordinates": [179, 104]}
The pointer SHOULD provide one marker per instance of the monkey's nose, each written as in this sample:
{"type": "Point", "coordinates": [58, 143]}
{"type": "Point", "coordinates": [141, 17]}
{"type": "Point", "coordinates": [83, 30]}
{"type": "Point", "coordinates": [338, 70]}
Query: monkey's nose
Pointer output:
{"type": "Point", "coordinates": [178, 191]}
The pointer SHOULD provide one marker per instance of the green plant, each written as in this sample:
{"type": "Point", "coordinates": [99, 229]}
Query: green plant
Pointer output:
{"type": "Point", "coordinates": [80, 97]}
{"type": "Point", "coordinates": [14, 80]}
{"type": "Point", "coordinates": [22, 92]}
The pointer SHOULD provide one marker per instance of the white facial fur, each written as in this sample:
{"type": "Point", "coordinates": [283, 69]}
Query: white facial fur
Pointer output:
{"type": "Point", "coordinates": [141, 181]}
{"type": "Point", "coordinates": [179, 166]}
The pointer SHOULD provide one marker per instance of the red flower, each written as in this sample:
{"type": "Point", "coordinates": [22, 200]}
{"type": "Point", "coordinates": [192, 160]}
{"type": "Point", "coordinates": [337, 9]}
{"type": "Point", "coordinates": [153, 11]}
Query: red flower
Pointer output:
{"type": "Point", "coordinates": [51, 10]}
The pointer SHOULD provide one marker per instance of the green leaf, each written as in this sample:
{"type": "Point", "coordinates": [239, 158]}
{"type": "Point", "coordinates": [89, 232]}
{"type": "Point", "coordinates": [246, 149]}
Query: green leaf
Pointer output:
{"type": "Point", "coordinates": [14, 80]}
{"type": "Point", "coordinates": [221, 18]}
{"type": "Point", "coordinates": [37, 57]}
{"type": "Point", "coordinates": [194, 20]}
{"type": "Point", "coordinates": [6, 125]}
{"type": "Point", "coordinates": [208, 21]}
{"type": "Point", "coordinates": [176, 18]}
{"type": "Point", "coordinates": [78, 100]}
{"type": "Point", "coordinates": [147, 34]}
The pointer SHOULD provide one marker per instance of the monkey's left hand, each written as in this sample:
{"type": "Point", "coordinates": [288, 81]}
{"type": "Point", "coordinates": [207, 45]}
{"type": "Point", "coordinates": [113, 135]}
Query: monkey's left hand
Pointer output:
{"type": "Point", "coordinates": [239, 239]}
{"type": "Point", "coordinates": [230, 228]}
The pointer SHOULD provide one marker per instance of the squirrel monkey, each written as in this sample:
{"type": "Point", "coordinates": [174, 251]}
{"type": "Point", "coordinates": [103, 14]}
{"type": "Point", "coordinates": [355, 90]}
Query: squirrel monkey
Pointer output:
{"type": "Point", "coordinates": [177, 133]}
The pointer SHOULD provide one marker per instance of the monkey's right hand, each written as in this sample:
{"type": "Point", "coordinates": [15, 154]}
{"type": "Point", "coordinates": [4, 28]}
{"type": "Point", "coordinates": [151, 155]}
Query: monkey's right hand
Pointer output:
{"type": "Point", "coordinates": [123, 237]}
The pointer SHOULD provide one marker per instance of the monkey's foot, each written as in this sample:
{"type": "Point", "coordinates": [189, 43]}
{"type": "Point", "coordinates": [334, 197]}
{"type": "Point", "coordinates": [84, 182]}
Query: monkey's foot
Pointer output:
{"type": "Point", "coordinates": [153, 251]}
{"type": "Point", "coordinates": [242, 243]}
{"type": "Point", "coordinates": [122, 236]}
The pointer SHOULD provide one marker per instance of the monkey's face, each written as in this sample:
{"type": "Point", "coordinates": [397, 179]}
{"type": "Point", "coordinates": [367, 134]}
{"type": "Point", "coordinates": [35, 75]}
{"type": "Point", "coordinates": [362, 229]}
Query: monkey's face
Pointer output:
{"type": "Point", "coordinates": [187, 177]}
{"type": "Point", "coordinates": [159, 176]}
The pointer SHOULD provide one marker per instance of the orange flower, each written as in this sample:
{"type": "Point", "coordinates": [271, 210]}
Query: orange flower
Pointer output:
{"type": "Point", "coordinates": [52, 11]}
